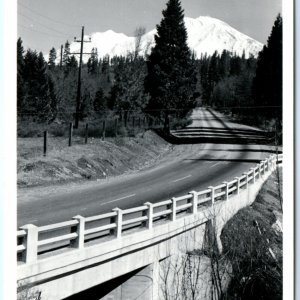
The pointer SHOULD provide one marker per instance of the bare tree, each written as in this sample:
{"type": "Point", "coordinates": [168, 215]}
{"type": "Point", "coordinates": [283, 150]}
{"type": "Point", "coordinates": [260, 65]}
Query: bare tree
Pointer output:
{"type": "Point", "coordinates": [138, 34]}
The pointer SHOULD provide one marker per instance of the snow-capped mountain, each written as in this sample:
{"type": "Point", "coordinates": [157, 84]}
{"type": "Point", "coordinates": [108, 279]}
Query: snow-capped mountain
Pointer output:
{"type": "Point", "coordinates": [205, 35]}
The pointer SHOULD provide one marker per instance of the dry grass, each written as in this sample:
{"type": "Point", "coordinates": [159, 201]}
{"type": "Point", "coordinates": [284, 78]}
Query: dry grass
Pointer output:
{"type": "Point", "coordinates": [95, 160]}
{"type": "Point", "coordinates": [249, 239]}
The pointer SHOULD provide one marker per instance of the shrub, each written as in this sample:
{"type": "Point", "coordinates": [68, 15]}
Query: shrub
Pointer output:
{"type": "Point", "coordinates": [178, 123]}
{"type": "Point", "coordinates": [30, 129]}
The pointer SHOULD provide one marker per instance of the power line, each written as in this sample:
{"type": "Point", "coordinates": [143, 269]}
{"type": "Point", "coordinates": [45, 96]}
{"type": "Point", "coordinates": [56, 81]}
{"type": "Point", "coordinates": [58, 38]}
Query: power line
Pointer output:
{"type": "Point", "coordinates": [49, 28]}
{"type": "Point", "coordinates": [50, 19]}
{"type": "Point", "coordinates": [38, 31]}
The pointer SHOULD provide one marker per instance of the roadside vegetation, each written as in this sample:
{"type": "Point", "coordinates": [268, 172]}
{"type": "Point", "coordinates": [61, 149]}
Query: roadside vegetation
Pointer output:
{"type": "Point", "coordinates": [250, 263]}
{"type": "Point", "coordinates": [252, 242]}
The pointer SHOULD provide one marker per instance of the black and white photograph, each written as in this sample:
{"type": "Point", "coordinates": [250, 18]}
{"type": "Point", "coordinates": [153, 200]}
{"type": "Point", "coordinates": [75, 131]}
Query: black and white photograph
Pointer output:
{"type": "Point", "coordinates": [151, 155]}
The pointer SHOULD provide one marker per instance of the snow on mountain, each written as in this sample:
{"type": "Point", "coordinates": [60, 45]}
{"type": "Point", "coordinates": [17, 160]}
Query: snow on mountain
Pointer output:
{"type": "Point", "coordinates": [205, 35]}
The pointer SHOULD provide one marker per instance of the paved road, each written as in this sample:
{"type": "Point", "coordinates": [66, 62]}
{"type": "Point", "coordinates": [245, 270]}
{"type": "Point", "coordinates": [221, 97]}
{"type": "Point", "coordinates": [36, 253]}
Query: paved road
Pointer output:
{"type": "Point", "coordinates": [189, 167]}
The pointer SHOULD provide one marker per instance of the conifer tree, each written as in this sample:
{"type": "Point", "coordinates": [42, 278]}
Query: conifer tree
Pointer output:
{"type": "Point", "coordinates": [40, 99]}
{"type": "Point", "coordinates": [92, 63]}
{"type": "Point", "coordinates": [171, 75]}
{"type": "Point", "coordinates": [99, 102]}
{"type": "Point", "coordinates": [105, 65]}
{"type": "Point", "coordinates": [213, 75]}
{"type": "Point", "coordinates": [20, 71]}
{"type": "Point", "coordinates": [66, 54]}
{"type": "Point", "coordinates": [52, 58]}
{"type": "Point", "coordinates": [224, 64]}
{"type": "Point", "coordinates": [267, 84]}
{"type": "Point", "coordinates": [72, 64]}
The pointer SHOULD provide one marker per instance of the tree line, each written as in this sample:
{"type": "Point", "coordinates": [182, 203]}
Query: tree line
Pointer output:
{"type": "Point", "coordinates": [169, 82]}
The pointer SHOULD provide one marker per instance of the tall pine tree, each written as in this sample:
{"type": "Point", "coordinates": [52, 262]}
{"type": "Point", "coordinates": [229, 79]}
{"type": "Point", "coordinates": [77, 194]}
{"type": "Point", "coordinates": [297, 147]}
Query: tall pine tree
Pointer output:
{"type": "Point", "coordinates": [66, 54]}
{"type": "Point", "coordinates": [52, 58]}
{"type": "Point", "coordinates": [93, 63]}
{"type": "Point", "coordinates": [267, 84]}
{"type": "Point", "coordinates": [171, 78]}
{"type": "Point", "coordinates": [40, 100]}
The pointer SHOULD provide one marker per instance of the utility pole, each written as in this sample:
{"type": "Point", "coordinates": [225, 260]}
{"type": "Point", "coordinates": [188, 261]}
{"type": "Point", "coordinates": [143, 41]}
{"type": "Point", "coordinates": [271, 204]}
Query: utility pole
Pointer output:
{"type": "Point", "coordinates": [78, 98]}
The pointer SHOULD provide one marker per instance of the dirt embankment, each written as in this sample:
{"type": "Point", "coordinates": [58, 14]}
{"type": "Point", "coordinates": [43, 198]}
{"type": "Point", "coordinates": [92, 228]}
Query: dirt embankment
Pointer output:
{"type": "Point", "coordinates": [252, 242]}
{"type": "Point", "coordinates": [96, 160]}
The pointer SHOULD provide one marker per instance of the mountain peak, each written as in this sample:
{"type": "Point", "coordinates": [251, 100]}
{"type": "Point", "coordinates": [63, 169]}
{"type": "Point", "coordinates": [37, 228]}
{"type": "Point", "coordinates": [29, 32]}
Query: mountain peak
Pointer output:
{"type": "Point", "coordinates": [205, 35]}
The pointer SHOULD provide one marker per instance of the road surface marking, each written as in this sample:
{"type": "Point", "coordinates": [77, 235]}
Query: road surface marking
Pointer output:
{"type": "Point", "coordinates": [32, 221]}
{"type": "Point", "coordinates": [125, 197]}
{"type": "Point", "coordinates": [215, 164]}
{"type": "Point", "coordinates": [182, 178]}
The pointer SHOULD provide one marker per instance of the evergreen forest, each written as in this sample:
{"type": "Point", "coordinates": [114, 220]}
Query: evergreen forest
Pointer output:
{"type": "Point", "coordinates": [161, 88]}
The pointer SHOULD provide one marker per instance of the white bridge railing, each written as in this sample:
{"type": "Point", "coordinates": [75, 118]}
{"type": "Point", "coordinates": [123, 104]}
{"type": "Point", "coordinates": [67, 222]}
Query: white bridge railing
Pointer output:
{"type": "Point", "coordinates": [34, 241]}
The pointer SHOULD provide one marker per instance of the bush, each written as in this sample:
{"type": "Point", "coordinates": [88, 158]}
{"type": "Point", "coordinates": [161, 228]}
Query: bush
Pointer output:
{"type": "Point", "coordinates": [58, 131]}
{"type": "Point", "coordinates": [179, 123]}
{"type": "Point", "coordinates": [96, 129]}
{"type": "Point", "coordinates": [30, 129]}
{"type": "Point", "coordinates": [27, 129]}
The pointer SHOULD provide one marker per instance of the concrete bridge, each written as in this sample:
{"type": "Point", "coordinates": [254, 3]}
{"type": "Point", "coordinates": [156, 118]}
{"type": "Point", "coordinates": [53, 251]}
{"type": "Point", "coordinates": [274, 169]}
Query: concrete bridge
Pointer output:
{"type": "Point", "coordinates": [68, 258]}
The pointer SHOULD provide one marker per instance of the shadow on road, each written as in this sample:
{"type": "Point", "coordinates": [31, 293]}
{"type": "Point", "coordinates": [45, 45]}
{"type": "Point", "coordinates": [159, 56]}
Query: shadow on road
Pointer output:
{"type": "Point", "coordinates": [231, 137]}
{"type": "Point", "coordinates": [225, 159]}
{"type": "Point", "coordinates": [220, 134]}
{"type": "Point", "coordinates": [247, 150]}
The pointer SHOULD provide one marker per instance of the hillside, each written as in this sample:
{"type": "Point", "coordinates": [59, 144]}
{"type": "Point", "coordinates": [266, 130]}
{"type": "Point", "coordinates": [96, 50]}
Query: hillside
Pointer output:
{"type": "Point", "coordinates": [95, 161]}
{"type": "Point", "coordinates": [252, 242]}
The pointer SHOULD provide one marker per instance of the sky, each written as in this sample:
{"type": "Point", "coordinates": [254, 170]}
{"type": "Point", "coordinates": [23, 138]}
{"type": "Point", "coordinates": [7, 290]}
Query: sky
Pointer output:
{"type": "Point", "coordinates": [43, 24]}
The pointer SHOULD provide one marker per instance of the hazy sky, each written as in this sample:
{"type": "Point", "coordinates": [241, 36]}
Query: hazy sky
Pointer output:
{"type": "Point", "coordinates": [43, 24]}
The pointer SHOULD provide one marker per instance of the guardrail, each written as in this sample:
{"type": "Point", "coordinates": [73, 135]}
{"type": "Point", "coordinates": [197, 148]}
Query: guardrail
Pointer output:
{"type": "Point", "coordinates": [76, 233]}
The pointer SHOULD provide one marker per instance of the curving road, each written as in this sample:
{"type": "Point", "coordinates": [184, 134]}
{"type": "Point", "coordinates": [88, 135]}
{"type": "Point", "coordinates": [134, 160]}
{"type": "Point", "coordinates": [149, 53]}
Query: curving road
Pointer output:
{"type": "Point", "coordinates": [191, 166]}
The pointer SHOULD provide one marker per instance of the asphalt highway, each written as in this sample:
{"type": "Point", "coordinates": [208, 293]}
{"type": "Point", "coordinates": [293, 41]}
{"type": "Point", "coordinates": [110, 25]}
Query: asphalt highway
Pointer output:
{"type": "Point", "coordinates": [189, 167]}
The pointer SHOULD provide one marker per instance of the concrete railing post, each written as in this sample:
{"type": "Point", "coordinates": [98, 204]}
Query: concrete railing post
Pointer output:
{"type": "Point", "coordinates": [79, 229]}
{"type": "Point", "coordinates": [226, 190]}
{"type": "Point", "coordinates": [174, 209]}
{"type": "Point", "coordinates": [194, 201]}
{"type": "Point", "coordinates": [212, 192]}
{"type": "Point", "coordinates": [238, 184]}
{"type": "Point", "coordinates": [270, 164]}
{"type": "Point", "coordinates": [31, 243]}
{"type": "Point", "coordinates": [119, 220]}
{"type": "Point", "coordinates": [274, 162]}
{"type": "Point", "coordinates": [149, 222]}
{"type": "Point", "coordinates": [247, 179]}
{"type": "Point", "coordinates": [253, 174]}
{"type": "Point", "coordinates": [259, 171]}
